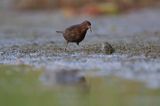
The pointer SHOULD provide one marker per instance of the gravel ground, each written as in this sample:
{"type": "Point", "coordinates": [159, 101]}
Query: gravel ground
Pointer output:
{"type": "Point", "coordinates": [30, 38]}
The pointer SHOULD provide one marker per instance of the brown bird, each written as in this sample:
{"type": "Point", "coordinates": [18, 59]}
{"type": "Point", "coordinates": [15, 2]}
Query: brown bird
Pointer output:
{"type": "Point", "coordinates": [76, 33]}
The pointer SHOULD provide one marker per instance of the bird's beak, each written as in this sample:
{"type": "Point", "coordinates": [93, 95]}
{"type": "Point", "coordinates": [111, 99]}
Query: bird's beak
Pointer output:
{"type": "Point", "coordinates": [90, 28]}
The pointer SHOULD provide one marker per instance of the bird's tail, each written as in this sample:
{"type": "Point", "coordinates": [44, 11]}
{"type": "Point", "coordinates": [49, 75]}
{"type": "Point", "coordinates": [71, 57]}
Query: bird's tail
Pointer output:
{"type": "Point", "coordinates": [60, 32]}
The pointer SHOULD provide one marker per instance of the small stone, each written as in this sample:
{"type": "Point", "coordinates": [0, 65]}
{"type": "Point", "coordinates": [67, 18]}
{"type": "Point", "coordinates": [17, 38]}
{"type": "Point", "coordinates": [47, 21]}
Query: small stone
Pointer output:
{"type": "Point", "coordinates": [107, 48]}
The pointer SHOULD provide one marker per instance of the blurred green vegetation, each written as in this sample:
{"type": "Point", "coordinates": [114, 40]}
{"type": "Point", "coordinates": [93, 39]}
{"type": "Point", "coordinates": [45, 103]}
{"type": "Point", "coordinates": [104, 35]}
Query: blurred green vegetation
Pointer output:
{"type": "Point", "coordinates": [21, 86]}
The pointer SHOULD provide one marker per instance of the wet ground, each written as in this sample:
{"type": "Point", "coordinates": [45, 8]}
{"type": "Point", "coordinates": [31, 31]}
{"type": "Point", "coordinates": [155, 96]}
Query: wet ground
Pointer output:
{"type": "Point", "coordinates": [31, 38]}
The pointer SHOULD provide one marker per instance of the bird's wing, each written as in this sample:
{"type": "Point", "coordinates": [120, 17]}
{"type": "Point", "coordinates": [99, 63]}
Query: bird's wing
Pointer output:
{"type": "Point", "coordinates": [73, 27]}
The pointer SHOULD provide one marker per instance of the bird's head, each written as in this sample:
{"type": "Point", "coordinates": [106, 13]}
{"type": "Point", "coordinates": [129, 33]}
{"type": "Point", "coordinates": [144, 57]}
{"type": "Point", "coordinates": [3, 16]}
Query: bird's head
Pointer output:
{"type": "Point", "coordinates": [87, 25]}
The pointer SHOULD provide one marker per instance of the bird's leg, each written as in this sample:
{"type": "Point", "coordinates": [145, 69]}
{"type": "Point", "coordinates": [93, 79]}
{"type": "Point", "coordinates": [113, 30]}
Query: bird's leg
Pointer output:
{"type": "Point", "coordinates": [66, 45]}
{"type": "Point", "coordinates": [79, 45]}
